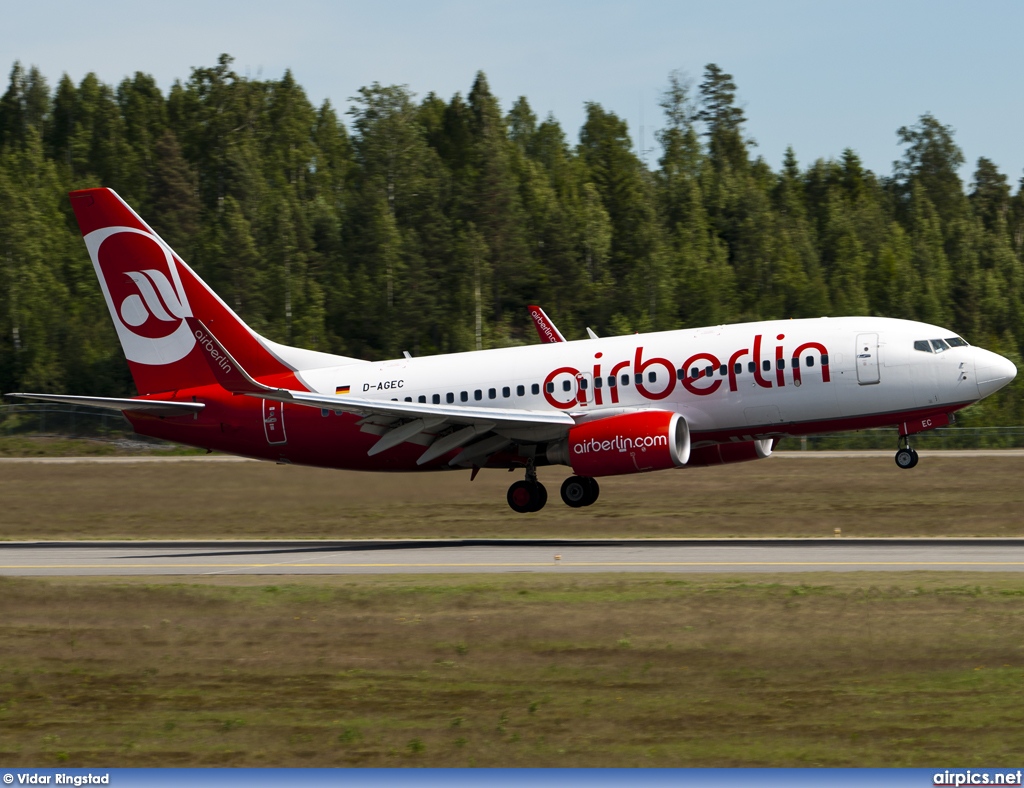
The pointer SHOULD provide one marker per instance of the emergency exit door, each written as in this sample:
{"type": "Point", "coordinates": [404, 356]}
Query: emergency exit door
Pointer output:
{"type": "Point", "coordinates": [867, 359]}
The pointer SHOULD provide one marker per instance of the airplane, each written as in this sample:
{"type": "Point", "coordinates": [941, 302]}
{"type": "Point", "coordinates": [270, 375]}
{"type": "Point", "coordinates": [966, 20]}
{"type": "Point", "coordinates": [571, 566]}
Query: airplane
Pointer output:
{"type": "Point", "coordinates": [601, 406]}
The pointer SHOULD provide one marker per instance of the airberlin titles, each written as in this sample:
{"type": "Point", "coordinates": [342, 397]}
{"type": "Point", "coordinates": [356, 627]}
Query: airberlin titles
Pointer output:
{"type": "Point", "coordinates": [697, 373]}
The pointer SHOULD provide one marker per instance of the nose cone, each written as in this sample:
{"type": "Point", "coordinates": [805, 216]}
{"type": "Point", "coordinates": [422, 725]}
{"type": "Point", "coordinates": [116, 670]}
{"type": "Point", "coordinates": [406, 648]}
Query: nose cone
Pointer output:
{"type": "Point", "coordinates": [993, 371]}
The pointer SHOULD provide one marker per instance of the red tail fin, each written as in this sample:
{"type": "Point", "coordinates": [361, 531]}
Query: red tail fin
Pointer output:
{"type": "Point", "coordinates": [150, 291]}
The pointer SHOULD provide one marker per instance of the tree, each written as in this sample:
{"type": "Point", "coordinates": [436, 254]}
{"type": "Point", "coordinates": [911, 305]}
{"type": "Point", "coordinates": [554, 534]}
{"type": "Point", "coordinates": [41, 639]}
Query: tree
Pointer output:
{"type": "Point", "coordinates": [931, 162]}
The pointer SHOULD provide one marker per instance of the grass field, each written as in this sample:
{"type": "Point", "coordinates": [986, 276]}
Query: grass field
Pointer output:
{"type": "Point", "coordinates": [780, 496]}
{"type": "Point", "coordinates": [862, 669]}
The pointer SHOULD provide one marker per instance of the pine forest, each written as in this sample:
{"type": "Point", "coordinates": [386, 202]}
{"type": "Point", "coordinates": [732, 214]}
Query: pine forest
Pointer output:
{"type": "Point", "coordinates": [428, 224]}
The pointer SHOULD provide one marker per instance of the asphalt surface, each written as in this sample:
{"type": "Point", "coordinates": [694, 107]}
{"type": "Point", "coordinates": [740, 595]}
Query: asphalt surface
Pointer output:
{"type": "Point", "coordinates": [113, 559]}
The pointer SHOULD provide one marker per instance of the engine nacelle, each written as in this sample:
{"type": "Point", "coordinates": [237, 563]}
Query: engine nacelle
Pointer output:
{"type": "Point", "coordinates": [728, 453]}
{"type": "Point", "coordinates": [648, 440]}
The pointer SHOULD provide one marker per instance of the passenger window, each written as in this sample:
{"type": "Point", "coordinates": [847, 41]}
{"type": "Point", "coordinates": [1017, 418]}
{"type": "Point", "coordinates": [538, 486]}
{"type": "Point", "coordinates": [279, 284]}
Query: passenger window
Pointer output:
{"type": "Point", "coordinates": [652, 377]}
{"type": "Point", "coordinates": [506, 392]}
{"type": "Point", "coordinates": [923, 346]}
{"type": "Point", "coordinates": [435, 398]}
{"type": "Point", "coordinates": [408, 399]}
{"type": "Point", "coordinates": [694, 372]}
{"type": "Point", "coordinates": [780, 363]}
{"type": "Point", "coordinates": [422, 398]}
{"type": "Point", "coordinates": [520, 391]}
{"type": "Point", "coordinates": [464, 396]}
{"type": "Point", "coordinates": [598, 382]}
{"type": "Point", "coordinates": [809, 361]}
{"type": "Point", "coordinates": [680, 373]}
{"type": "Point", "coordinates": [611, 381]}
{"type": "Point", "coordinates": [583, 384]}
{"type": "Point", "coordinates": [449, 398]}
{"type": "Point", "coordinates": [535, 388]}
{"type": "Point", "coordinates": [639, 378]}
{"type": "Point", "coordinates": [624, 379]}
{"type": "Point", "coordinates": [824, 359]}
{"type": "Point", "coordinates": [566, 385]}
{"type": "Point", "coordinates": [750, 366]}
{"type": "Point", "coordinates": [737, 368]}
{"type": "Point", "coordinates": [709, 371]}
{"type": "Point", "coordinates": [492, 393]}
{"type": "Point", "coordinates": [766, 365]}
{"type": "Point", "coordinates": [550, 387]}
{"type": "Point", "coordinates": [796, 361]}
{"type": "Point", "coordinates": [478, 395]}
{"type": "Point", "coordinates": [723, 370]}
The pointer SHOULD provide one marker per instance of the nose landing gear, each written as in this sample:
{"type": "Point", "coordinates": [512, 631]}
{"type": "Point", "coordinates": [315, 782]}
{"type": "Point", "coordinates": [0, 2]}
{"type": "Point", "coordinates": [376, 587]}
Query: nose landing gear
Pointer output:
{"type": "Point", "coordinates": [529, 495]}
{"type": "Point", "coordinates": [906, 457]}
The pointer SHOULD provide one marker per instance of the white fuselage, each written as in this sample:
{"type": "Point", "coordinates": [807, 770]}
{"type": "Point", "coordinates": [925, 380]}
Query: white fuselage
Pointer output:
{"type": "Point", "coordinates": [746, 382]}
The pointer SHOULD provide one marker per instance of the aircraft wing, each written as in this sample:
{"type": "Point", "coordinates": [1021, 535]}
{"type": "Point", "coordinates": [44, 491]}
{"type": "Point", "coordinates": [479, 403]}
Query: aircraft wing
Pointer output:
{"type": "Point", "coordinates": [492, 429]}
{"type": "Point", "coordinates": [153, 407]}
{"type": "Point", "coordinates": [545, 328]}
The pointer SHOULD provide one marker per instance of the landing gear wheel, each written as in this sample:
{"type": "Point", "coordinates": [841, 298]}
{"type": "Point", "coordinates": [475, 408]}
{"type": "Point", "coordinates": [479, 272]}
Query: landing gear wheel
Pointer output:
{"type": "Point", "coordinates": [579, 491]}
{"type": "Point", "coordinates": [525, 497]}
{"type": "Point", "coordinates": [906, 458]}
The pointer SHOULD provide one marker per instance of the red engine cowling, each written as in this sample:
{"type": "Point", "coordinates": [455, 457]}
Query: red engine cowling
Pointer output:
{"type": "Point", "coordinates": [649, 440]}
{"type": "Point", "coordinates": [727, 453]}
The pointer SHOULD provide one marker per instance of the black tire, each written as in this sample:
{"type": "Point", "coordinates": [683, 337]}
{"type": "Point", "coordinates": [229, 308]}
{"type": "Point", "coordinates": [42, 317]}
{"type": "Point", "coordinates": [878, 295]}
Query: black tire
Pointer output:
{"type": "Point", "coordinates": [525, 497]}
{"type": "Point", "coordinates": [521, 497]}
{"type": "Point", "coordinates": [906, 458]}
{"type": "Point", "coordinates": [576, 491]}
{"type": "Point", "coordinates": [540, 493]}
{"type": "Point", "coordinates": [594, 490]}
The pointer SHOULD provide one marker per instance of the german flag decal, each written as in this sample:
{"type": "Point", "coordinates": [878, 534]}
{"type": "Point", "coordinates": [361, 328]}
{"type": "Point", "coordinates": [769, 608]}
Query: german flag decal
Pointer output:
{"type": "Point", "coordinates": [342, 389]}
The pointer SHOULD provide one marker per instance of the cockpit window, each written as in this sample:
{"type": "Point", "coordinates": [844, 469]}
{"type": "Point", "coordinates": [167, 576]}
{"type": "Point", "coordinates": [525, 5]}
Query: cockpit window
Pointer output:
{"type": "Point", "coordinates": [956, 342]}
{"type": "Point", "coordinates": [939, 345]}
{"type": "Point", "coordinates": [923, 346]}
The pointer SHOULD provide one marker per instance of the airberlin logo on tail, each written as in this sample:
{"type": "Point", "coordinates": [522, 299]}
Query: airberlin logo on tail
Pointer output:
{"type": "Point", "coordinates": [156, 298]}
{"type": "Point", "coordinates": [142, 285]}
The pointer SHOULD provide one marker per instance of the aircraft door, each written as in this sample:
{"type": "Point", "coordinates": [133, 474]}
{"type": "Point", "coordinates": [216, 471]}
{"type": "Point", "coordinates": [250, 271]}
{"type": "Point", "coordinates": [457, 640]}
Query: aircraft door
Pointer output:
{"type": "Point", "coordinates": [867, 359]}
{"type": "Point", "coordinates": [273, 422]}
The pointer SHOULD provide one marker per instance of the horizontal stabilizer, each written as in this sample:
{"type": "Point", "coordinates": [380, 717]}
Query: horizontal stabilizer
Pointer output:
{"type": "Point", "coordinates": [153, 407]}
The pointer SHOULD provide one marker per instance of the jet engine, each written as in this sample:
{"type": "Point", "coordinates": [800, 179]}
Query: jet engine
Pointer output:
{"type": "Point", "coordinates": [648, 440]}
{"type": "Point", "coordinates": [728, 453]}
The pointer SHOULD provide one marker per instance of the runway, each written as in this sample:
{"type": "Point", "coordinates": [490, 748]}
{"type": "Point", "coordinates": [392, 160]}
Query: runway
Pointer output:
{"type": "Point", "coordinates": [116, 559]}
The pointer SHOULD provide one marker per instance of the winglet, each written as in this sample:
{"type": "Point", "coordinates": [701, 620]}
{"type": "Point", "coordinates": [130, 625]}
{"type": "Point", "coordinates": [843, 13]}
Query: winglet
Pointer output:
{"type": "Point", "coordinates": [226, 370]}
{"type": "Point", "coordinates": [545, 328]}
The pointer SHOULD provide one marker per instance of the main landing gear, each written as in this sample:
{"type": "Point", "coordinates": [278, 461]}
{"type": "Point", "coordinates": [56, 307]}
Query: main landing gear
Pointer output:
{"type": "Point", "coordinates": [906, 457]}
{"type": "Point", "coordinates": [580, 491]}
{"type": "Point", "coordinates": [530, 495]}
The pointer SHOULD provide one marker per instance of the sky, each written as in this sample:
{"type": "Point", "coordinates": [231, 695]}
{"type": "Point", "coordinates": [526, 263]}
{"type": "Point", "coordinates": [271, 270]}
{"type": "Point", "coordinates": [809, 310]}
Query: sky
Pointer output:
{"type": "Point", "coordinates": [819, 75]}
